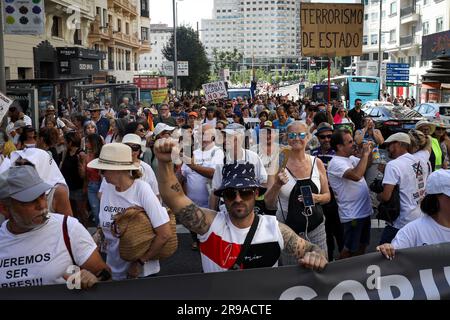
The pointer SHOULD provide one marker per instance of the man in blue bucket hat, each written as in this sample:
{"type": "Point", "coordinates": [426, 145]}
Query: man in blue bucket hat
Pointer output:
{"type": "Point", "coordinates": [234, 237]}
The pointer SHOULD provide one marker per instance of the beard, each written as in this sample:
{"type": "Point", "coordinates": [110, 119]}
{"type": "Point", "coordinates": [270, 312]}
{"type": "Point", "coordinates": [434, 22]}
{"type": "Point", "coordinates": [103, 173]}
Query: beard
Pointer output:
{"type": "Point", "coordinates": [30, 225]}
{"type": "Point", "coordinates": [239, 210]}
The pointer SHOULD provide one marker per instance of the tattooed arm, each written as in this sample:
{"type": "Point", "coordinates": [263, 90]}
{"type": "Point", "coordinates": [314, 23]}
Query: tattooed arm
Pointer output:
{"type": "Point", "coordinates": [194, 218]}
{"type": "Point", "coordinates": [308, 255]}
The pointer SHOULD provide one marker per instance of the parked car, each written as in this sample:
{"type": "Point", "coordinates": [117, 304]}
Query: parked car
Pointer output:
{"type": "Point", "coordinates": [374, 103]}
{"type": "Point", "coordinates": [435, 111]}
{"type": "Point", "coordinates": [392, 119]}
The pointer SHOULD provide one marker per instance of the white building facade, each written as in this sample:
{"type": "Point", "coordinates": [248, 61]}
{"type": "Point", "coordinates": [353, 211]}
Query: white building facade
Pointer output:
{"type": "Point", "coordinates": [159, 36]}
{"type": "Point", "coordinates": [404, 22]}
{"type": "Point", "coordinates": [266, 32]}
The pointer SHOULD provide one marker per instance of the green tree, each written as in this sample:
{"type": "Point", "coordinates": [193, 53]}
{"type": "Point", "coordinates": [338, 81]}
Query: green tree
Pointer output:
{"type": "Point", "coordinates": [189, 48]}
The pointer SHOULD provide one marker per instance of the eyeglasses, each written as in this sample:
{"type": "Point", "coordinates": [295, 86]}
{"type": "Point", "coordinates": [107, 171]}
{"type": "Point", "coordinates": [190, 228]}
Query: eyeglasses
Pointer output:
{"type": "Point", "coordinates": [141, 130]}
{"type": "Point", "coordinates": [293, 135]}
{"type": "Point", "coordinates": [231, 194]}
{"type": "Point", "coordinates": [135, 147]}
{"type": "Point", "coordinates": [325, 136]}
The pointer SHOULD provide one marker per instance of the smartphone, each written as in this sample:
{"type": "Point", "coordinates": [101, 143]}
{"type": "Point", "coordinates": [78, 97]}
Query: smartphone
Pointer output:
{"type": "Point", "coordinates": [308, 200]}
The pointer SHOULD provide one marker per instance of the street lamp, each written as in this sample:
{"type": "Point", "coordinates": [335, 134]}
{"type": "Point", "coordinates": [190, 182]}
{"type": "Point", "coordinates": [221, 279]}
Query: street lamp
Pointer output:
{"type": "Point", "coordinates": [175, 58]}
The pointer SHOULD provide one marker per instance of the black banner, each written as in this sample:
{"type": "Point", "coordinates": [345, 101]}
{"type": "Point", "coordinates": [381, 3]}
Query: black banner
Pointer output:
{"type": "Point", "coordinates": [436, 44]}
{"type": "Point", "coordinates": [418, 273]}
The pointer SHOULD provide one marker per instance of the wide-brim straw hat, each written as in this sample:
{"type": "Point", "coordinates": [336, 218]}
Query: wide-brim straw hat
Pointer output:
{"type": "Point", "coordinates": [422, 123]}
{"type": "Point", "coordinates": [114, 156]}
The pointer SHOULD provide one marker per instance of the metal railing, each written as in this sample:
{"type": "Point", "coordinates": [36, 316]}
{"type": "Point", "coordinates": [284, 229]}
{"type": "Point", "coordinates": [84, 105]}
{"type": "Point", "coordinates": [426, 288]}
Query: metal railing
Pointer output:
{"type": "Point", "coordinates": [407, 11]}
{"type": "Point", "coordinates": [406, 40]}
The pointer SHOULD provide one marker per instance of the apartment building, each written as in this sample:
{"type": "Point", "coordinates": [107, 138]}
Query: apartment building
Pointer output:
{"type": "Point", "coordinates": [266, 32]}
{"type": "Point", "coordinates": [160, 35]}
{"type": "Point", "coordinates": [121, 29]}
{"type": "Point", "coordinates": [404, 22]}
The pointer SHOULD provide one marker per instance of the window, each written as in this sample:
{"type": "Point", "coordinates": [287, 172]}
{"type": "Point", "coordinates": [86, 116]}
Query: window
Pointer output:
{"type": "Point", "coordinates": [77, 37]}
{"type": "Point", "coordinates": [364, 57]}
{"type": "Point", "coordinates": [364, 40]}
{"type": "Point", "coordinates": [119, 25]}
{"type": "Point", "coordinates": [366, 17]}
{"type": "Point", "coordinates": [56, 27]}
{"type": "Point", "coordinates": [425, 28]}
{"type": "Point", "coordinates": [375, 56]}
{"type": "Point", "coordinates": [373, 39]}
{"type": "Point", "coordinates": [439, 24]}
{"type": "Point", "coordinates": [374, 16]}
{"type": "Point", "coordinates": [385, 56]}
{"type": "Point", "coordinates": [144, 33]}
{"type": "Point", "coordinates": [401, 60]}
{"type": "Point", "coordinates": [393, 8]}
{"type": "Point", "coordinates": [412, 61]}
{"type": "Point", "coordinates": [392, 36]}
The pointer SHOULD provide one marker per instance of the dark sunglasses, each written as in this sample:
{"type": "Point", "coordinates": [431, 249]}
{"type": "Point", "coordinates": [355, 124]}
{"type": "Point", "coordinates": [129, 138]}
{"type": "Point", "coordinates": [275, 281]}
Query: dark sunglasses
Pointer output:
{"type": "Point", "coordinates": [325, 136]}
{"type": "Point", "coordinates": [231, 194]}
{"type": "Point", "coordinates": [141, 130]}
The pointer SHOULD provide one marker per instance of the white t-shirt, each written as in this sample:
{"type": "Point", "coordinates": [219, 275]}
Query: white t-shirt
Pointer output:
{"type": "Point", "coordinates": [40, 256]}
{"type": "Point", "coordinates": [59, 123]}
{"type": "Point", "coordinates": [113, 202]}
{"type": "Point", "coordinates": [352, 197]}
{"type": "Point", "coordinates": [196, 184]}
{"type": "Point", "coordinates": [410, 172]}
{"type": "Point", "coordinates": [220, 246]}
{"type": "Point", "coordinates": [247, 156]}
{"type": "Point", "coordinates": [211, 122]}
{"type": "Point", "coordinates": [422, 231]}
{"type": "Point", "coordinates": [148, 175]}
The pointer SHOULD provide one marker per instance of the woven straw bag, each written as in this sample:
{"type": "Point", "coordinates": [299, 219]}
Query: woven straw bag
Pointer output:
{"type": "Point", "coordinates": [135, 231]}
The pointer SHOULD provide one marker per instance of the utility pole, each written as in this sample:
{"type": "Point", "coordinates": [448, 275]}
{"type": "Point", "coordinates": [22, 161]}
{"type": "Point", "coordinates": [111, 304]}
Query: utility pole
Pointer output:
{"type": "Point", "coordinates": [175, 60]}
{"type": "Point", "coordinates": [379, 40]}
{"type": "Point", "coordinates": [2, 54]}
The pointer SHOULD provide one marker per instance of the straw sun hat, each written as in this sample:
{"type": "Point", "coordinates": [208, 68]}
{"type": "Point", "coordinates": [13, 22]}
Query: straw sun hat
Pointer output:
{"type": "Point", "coordinates": [114, 156]}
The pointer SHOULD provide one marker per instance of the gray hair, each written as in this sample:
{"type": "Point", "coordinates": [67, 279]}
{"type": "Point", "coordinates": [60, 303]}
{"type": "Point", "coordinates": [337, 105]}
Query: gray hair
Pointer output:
{"type": "Point", "coordinates": [296, 123]}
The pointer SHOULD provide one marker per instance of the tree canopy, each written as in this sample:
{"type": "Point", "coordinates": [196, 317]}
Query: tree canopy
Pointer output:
{"type": "Point", "coordinates": [189, 48]}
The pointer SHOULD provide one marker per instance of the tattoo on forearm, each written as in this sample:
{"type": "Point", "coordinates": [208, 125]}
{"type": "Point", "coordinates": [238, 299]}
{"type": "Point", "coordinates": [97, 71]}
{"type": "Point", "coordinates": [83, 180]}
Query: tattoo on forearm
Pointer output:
{"type": "Point", "coordinates": [295, 245]}
{"type": "Point", "coordinates": [176, 187]}
{"type": "Point", "coordinates": [193, 218]}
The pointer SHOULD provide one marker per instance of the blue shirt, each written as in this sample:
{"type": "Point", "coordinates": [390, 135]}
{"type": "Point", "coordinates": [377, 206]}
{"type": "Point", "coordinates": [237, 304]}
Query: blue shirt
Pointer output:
{"type": "Point", "coordinates": [325, 157]}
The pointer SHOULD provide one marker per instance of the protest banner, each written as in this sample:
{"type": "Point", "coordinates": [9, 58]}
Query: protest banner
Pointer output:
{"type": "Point", "coordinates": [5, 102]}
{"type": "Point", "coordinates": [421, 273]}
{"type": "Point", "coordinates": [215, 90]}
{"type": "Point", "coordinates": [331, 29]}
{"type": "Point", "coordinates": [159, 96]}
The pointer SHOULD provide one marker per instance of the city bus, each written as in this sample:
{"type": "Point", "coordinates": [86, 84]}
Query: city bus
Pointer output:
{"type": "Point", "coordinates": [356, 87]}
{"type": "Point", "coordinates": [319, 93]}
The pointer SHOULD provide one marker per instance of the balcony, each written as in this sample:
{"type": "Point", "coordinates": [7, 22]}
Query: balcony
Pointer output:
{"type": "Point", "coordinates": [124, 39]}
{"type": "Point", "coordinates": [145, 46]}
{"type": "Point", "coordinates": [409, 41]}
{"type": "Point", "coordinates": [409, 14]}
{"type": "Point", "coordinates": [123, 6]}
{"type": "Point", "coordinates": [97, 32]}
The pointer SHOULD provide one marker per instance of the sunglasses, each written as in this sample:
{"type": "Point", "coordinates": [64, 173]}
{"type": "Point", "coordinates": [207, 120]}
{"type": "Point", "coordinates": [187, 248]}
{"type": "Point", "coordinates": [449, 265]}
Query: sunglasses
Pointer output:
{"type": "Point", "coordinates": [293, 135]}
{"type": "Point", "coordinates": [135, 147]}
{"type": "Point", "coordinates": [231, 194]}
{"type": "Point", "coordinates": [141, 130]}
{"type": "Point", "coordinates": [325, 136]}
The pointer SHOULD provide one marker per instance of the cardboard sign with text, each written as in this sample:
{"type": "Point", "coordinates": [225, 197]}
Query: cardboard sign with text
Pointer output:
{"type": "Point", "coordinates": [331, 29]}
{"type": "Point", "coordinates": [5, 102]}
{"type": "Point", "coordinates": [215, 90]}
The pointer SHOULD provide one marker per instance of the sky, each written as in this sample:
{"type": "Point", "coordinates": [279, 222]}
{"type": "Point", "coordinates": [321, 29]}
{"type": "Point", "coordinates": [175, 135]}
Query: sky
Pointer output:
{"type": "Point", "coordinates": [191, 11]}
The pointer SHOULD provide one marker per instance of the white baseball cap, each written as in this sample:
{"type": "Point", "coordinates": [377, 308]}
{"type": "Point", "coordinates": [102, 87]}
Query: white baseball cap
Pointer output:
{"type": "Point", "coordinates": [160, 127]}
{"type": "Point", "coordinates": [438, 182]}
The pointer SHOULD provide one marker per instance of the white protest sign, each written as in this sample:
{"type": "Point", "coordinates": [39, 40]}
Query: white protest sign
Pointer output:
{"type": "Point", "coordinates": [5, 102]}
{"type": "Point", "coordinates": [215, 90]}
